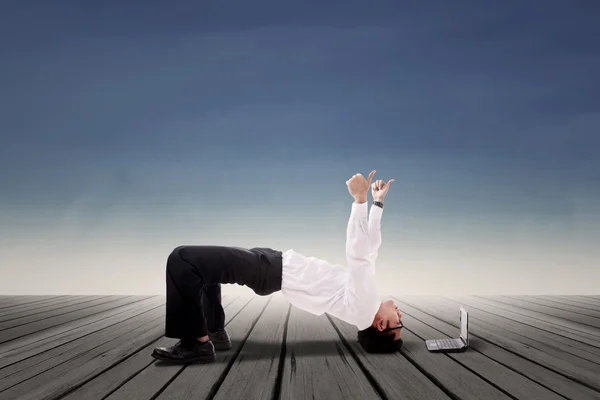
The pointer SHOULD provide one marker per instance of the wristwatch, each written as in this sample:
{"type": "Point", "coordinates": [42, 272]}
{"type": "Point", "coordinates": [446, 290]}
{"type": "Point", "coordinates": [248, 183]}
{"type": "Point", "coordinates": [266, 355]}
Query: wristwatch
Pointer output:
{"type": "Point", "coordinates": [378, 204]}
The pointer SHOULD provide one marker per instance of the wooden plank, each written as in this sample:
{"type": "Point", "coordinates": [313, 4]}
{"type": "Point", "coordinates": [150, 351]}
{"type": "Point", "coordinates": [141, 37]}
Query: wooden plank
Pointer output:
{"type": "Point", "coordinates": [588, 331]}
{"type": "Point", "coordinates": [585, 299]}
{"type": "Point", "coordinates": [567, 349]}
{"type": "Point", "coordinates": [30, 367]}
{"type": "Point", "coordinates": [32, 327]}
{"type": "Point", "coordinates": [557, 312]}
{"type": "Point", "coordinates": [317, 365]}
{"type": "Point", "coordinates": [553, 327]}
{"type": "Point", "coordinates": [455, 377]}
{"type": "Point", "coordinates": [52, 312]}
{"type": "Point", "coordinates": [588, 300]}
{"type": "Point", "coordinates": [17, 317]}
{"type": "Point", "coordinates": [573, 301]}
{"type": "Point", "coordinates": [14, 355]}
{"type": "Point", "coordinates": [61, 379]}
{"type": "Point", "coordinates": [158, 375]}
{"type": "Point", "coordinates": [32, 306]}
{"type": "Point", "coordinates": [21, 300]}
{"type": "Point", "coordinates": [476, 304]}
{"type": "Point", "coordinates": [577, 309]}
{"type": "Point", "coordinates": [544, 377]}
{"type": "Point", "coordinates": [548, 338]}
{"type": "Point", "coordinates": [581, 371]}
{"type": "Point", "coordinates": [83, 325]}
{"type": "Point", "coordinates": [254, 372]}
{"type": "Point", "coordinates": [472, 362]}
{"type": "Point", "coordinates": [126, 372]}
{"type": "Point", "coordinates": [588, 297]}
{"type": "Point", "coordinates": [150, 381]}
{"type": "Point", "coordinates": [198, 380]}
{"type": "Point", "coordinates": [395, 375]}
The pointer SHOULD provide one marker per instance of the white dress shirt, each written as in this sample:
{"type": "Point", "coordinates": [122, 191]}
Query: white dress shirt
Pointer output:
{"type": "Point", "coordinates": [348, 293]}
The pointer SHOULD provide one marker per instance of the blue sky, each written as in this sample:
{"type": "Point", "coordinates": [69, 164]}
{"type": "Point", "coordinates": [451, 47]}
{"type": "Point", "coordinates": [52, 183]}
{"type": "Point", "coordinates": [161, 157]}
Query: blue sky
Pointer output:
{"type": "Point", "coordinates": [130, 127]}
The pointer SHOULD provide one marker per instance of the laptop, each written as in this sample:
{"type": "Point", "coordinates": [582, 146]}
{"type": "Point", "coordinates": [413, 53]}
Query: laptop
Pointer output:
{"type": "Point", "coordinates": [449, 345]}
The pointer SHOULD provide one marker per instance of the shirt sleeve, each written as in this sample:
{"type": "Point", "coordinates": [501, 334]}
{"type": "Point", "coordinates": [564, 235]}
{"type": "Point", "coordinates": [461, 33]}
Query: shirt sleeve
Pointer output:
{"type": "Point", "coordinates": [363, 238]}
{"type": "Point", "coordinates": [374, 227]}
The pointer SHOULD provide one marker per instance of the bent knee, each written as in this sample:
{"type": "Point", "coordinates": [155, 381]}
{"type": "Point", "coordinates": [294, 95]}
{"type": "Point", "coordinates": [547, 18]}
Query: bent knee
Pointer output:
{"type": "Point", "coordinates": [177, 250]}
{"type": "Point", "coordinates": [174, 256]}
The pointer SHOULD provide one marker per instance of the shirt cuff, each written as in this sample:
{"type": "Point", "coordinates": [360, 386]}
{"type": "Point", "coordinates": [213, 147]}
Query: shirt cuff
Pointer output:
{"type": "Point", "coordinates": [376, 212]}
{"type": "Point", "coordinates": [359, 211]}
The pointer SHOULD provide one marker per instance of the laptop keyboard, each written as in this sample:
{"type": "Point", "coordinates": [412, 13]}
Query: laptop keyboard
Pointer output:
{"type": "Point", "coordinates": [446, 343]}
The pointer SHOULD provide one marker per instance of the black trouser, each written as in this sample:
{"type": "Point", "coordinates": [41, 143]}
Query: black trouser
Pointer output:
{"type": "Point", "coordinates": [194, 278]}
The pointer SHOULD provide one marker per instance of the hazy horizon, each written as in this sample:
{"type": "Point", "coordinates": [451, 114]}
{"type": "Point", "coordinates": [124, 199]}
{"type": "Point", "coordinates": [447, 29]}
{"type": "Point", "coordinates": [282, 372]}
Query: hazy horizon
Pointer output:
{"type": "Point", "coordinates": [130, 128]}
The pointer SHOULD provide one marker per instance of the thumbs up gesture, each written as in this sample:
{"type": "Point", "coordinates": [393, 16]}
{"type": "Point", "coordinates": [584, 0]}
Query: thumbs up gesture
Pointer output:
{"type": "Point", "coordinates": [358, 186]}
{"type": "Point", "coordinates": [379, 189]}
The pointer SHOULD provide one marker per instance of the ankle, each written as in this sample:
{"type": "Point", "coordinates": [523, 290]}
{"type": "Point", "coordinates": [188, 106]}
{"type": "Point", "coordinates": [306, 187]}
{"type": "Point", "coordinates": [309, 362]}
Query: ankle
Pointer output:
{"type": "Point", "coordinates": [202, 339]}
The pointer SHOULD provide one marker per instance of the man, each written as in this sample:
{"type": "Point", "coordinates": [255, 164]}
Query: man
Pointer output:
{"type": "Point", "coordinates": [194, 275]}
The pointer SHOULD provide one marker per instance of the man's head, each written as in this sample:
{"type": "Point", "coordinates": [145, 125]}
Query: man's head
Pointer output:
{"type": "Point", "coordinates": [383, 336]}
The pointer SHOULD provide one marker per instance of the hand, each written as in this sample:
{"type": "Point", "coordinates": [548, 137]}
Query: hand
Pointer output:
{"type": "Point", "coordinates": [379, 189]}
{"type": "Point", "coordinates": [358, 187]}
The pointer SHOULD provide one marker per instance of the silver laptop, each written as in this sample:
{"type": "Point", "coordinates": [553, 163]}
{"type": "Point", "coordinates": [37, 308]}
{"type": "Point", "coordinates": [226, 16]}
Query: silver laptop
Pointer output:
{"type": "Point", "coordinates": [447, 345]}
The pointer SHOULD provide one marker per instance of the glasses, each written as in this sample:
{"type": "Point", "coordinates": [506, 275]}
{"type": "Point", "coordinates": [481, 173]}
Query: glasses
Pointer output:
{"type": "Point", "coordinates": [394, 328]}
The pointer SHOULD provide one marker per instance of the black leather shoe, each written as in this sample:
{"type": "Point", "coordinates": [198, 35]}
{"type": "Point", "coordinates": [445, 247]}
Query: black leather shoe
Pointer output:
{"type": "Point", "coordinates": [186, 352]}
{"type": "Point", "coordinates": [220, 340]}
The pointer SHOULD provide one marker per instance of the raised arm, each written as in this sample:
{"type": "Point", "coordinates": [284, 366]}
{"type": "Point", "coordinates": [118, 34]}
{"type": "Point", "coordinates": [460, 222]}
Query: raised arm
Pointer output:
{"type": "Point", "coordinates": [374, 230]}
{"type": "Point", "coordinates": [358, 243]}
{"type": "Point", "coordinates": [379, 190]}
{"type": "Point", "coordinates": [363, 235]}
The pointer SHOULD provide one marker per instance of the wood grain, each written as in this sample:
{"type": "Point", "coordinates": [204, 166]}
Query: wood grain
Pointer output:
{"type": "Point", "coordinates": [202, 381]}
{"type": "Point", "coordinates": [519, 344]}
{"type": "Point", "coordinates": [317, 365]}
{"type": "Point", "coordinates": [395, 375]}
{"type": "Point", "coordinates": [98, 347]}
{"type": "Point", "coordinates": [544, 377]}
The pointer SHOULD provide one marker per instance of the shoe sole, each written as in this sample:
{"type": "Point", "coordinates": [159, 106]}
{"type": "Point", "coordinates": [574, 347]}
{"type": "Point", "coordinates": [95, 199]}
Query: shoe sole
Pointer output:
{"type": "Point", "coordinates": [199, 359]}
{"type": "Point", "coordinates": [222, 345]}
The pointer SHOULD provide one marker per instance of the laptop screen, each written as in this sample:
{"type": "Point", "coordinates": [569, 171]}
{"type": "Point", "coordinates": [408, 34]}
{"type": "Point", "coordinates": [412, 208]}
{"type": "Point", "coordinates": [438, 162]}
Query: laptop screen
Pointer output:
{"type": "Point", "coordinates": [464, 325]}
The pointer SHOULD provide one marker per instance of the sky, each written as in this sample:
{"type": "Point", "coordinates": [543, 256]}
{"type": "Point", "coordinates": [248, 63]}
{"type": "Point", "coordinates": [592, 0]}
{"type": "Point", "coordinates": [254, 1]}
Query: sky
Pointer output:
{"type": "Point", "coordinates": [128, 128]}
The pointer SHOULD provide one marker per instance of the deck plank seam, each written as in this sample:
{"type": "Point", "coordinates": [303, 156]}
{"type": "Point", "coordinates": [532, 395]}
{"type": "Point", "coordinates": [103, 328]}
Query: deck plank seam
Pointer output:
{"type": "Point", "coordinates": [533, 303]}
{"type": "Point", "coordinates": [131, 355]}
{"type": "Point", "coordinates": [556, 316]}
{"type": "Point", "coordinates": [58, 315]}
{"type": "Point", "coordinates": [500, 303]}
{"type": "Point", "coordinates": [486, 356]}
{"type": "Point", "coordinates": [374, 384]}
{"type": "Point", "coordinates": [453, 358]}
{"type": "Point", "coordinates": [76, 319]}
{"type": "Point", "coordinates": [61, 299]}
{"type": "Point", "coordinates": [80, 384]}
{"type": "Point", "coordinates": [240, 310]}
{"type": "Point", "coordinates": [519, 355]}
{"type": "Point", "coordinates": [83, 336]}
{"type": "Point", "coordinates": [279, 379]}
{"type": "Point", "coordinates": [585, 306]}
{"type": "Point", "coordinates": [21, 304]}
{"type": "Point", "coordinates": [75, 357]}
{"type": "Point", "coordinates": [217, 385]}
{"type": "Point", "coordinates": [214, 389]}
{"type": "Point", "coordinates": [526, 324]}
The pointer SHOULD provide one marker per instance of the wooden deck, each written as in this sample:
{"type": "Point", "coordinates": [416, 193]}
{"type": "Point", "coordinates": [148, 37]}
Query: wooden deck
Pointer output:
{"type": "Point", "coordinates": [98, 347]}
